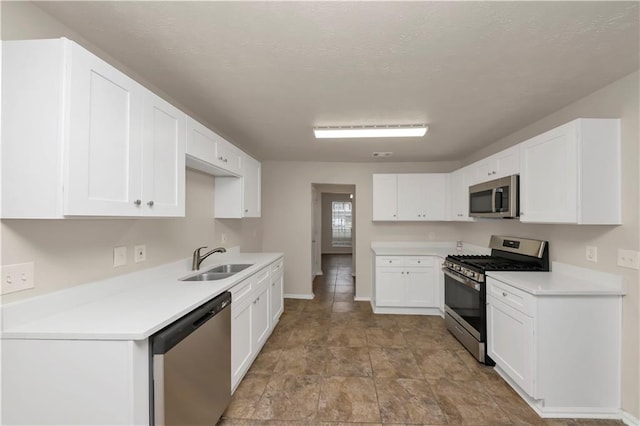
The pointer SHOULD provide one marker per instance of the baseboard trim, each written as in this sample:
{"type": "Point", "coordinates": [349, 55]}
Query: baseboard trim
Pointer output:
{"type": "Point", "coordinates": [406, 311]}
{"type": "Point", "coordinates": [362, 299]}
{"type": "Point", "coordinates": [298, 296]}
{"type": "Point", "coordinates": [630, 420]}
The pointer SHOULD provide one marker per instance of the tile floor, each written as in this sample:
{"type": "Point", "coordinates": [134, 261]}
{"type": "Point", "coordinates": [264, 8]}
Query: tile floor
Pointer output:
{"type": "Point", "coordinates": [331, 361]}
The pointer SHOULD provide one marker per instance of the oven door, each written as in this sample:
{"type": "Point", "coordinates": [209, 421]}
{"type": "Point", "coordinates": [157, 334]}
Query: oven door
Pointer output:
{"type": "Point", "coordinates": [464, 301]}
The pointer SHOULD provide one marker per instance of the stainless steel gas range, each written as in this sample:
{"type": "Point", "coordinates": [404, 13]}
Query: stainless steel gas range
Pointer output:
{"type": "Point", "coordinates": [465, 291]}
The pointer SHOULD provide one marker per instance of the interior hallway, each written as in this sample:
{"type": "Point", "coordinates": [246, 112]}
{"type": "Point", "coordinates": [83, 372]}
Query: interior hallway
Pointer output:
{"type": "Point", "coordinates": [331, 361]}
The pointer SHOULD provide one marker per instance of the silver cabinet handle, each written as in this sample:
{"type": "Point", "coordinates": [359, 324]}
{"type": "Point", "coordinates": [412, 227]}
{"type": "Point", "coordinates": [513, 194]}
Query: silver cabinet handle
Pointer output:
{"type": "Point", "coordinates": [150, 203]}
{"type": "Point", "coordinates": [137, 202]}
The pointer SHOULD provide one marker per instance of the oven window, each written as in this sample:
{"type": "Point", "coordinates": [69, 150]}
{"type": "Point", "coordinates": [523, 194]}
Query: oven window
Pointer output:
{"type": "Point", "coordinates": [481, 202]}
{"type": "Point", "coordinates": [464, 301]}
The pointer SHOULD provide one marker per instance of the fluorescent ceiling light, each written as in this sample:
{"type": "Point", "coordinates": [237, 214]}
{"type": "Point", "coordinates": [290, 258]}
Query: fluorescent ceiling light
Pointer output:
{"type": "Point", "coordinates": [411, 130]}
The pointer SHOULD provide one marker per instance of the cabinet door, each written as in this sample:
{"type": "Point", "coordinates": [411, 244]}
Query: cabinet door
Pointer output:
{"type": "Point", "coordinates": [385, 197]}
{"type": "Point", "coordinates": [507, 162]}
{"type": "Point", "coordinates": [252, 186]}
{"type": "Point", "coordinates": [435, 195]}
{"type": "Point", "coordinates": [227, 156]}
{"type": "Point", "coordinates": [260, 317]}
{"type": "Point", "coordinates": [460, 181]}
{"type": "Point", "coordinates": [103, 171]}
{"type": "Point", "coordinates": [419, 287]}
{"type": "Point", "coordinates": [422, 196]}
{"type": "Point", "coordinates": [389, 287]}
{"type": "Point", "coordinates": [510, 342]}
{"type": "Point", "coordinates": [548, 177]}
{"type": "Point", "coordinates": [412, 203]}
{"type": "Point", "coordinates": [276, 297]}
{"type": "Point", "coordinates": [163, 158]}
{"type": "Point", "coordinates": [241, 340]}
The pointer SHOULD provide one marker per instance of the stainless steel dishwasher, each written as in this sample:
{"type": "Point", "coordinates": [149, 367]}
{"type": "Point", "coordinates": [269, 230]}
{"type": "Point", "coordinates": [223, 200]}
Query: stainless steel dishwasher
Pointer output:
{"type": "Point", "coordinates": [191, 366]}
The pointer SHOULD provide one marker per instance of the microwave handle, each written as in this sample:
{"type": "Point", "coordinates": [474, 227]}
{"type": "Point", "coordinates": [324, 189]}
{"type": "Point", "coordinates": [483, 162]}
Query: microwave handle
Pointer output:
{"type": "Point", "coordinates": [493, 200]}
{"type": "Point", "coordinates": [497, 199]}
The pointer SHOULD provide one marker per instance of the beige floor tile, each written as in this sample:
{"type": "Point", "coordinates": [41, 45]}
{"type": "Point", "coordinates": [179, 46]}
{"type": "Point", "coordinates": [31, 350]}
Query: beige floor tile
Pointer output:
{"type": "Point", "coordinates": [347, 336]}
{"type": "Point", "coordinates": [302, 360]}
{"type": "Point", "coordinates": [344, 361]}
{"type": "Point", "coordinates": [467, 402]}
{"type": "Point", "coordinates": [348, 399]}
{"type": "Point", "coordinates": [394, 363]}
{"type": "Point", "coordinates": [289, 398]}
{"type": "Point", "coordinates": [408, 401]}
{"type": "Point", "coordinates": [266, 362]}
{"type": "Point", "coordinates": [438, 363]}
{"type": "Point", "coordinates": [385, 338]}
{"type": "Point", "coordinates": [309, 335]}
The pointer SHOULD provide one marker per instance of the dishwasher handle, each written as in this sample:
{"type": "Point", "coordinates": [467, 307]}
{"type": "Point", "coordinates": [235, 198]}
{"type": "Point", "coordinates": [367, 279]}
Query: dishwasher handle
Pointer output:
{"type": "Point", "coordinates": [171, 335]}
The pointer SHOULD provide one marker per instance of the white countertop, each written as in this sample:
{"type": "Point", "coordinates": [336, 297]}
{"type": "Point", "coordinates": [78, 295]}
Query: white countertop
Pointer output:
{"type": "Point", "coordinates": [126, 307]}
{"type": "Point", "coordinates": [419, 248]}
{"type": "Point", "coordinates": [563, 280]}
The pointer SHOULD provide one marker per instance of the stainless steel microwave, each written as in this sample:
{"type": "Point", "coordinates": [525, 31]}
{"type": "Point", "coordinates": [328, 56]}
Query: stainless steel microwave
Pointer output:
{"type": "Point", "coordinates": [496, 198]}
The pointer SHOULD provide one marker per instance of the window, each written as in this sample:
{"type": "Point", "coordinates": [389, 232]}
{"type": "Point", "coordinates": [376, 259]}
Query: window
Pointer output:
{"type": "Point", "coordinates": [341, 223]}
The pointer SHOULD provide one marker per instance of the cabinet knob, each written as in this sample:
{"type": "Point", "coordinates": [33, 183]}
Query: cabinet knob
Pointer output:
{"type": "Point", "coordinates": [419, 261]}
{"type": "Point", "coordinates": [488, 173]}
{"type": "Point", "coordinates": [394, 215]}
{"type": "Point", "coordinates": [504, 294]}
{"type": "Point", "coordinates": [150, 203]}
{"type": "Point", "coordinates": [137, 202]}
{"type": "Point", "coordinates": [246, 210]}
{"type": "Point", "coordinates": [493, 172]}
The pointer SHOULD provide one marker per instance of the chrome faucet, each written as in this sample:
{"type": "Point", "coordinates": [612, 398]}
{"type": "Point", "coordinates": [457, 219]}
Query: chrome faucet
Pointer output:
{"type": "Point", "coordinates": [198, 258]}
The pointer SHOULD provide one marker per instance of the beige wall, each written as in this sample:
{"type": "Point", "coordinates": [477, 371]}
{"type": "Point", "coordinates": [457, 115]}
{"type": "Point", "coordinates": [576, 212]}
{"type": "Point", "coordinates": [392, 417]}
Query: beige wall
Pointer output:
{"type": "Point", "coordinates": [289, 184]}
{"type": "Point", "coordinates": [75, 251]}
{"type": "Point", "coordinates": [286, 214]}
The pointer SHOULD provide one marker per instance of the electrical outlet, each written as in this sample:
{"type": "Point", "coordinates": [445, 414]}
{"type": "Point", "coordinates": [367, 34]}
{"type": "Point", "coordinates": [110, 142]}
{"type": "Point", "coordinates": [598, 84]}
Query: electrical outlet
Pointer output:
{"type": "Point", "coordinates": [140, 253]}
{"type": "Point", "coordinates": [629, 259]}
{"type": "Point", "coordinates": [592, 253]}
{"type": "Point", "coordinates": [17, 277]}
{"type": "Point", "coordinates": [223, 238]}
{"type": "Point", "coordinates": [119, 256]}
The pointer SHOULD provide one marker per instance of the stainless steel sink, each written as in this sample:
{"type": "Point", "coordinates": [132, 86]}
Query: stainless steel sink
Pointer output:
{"type": "Point", "coordinates": [219, 272]}
{"type": "Point", "coordinates": [230, 268]}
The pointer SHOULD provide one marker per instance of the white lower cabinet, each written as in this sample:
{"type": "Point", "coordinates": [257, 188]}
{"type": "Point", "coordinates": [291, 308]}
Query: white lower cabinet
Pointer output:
{"type": "Point", "coordinates": [510, 337]}
{"type": "Point", "coordinates": [406, 284]}
{"type": "Point", "coordinates": [277, 291]}
{"type": "Point", "coordinates": [253, 318]}
{"type": "Point", "coordinates": [560, 352]}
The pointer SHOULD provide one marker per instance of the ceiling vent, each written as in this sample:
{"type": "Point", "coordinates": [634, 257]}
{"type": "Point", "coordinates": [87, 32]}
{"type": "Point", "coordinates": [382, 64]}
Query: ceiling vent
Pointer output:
{"type": "Point", "coordinates": [381, 154]}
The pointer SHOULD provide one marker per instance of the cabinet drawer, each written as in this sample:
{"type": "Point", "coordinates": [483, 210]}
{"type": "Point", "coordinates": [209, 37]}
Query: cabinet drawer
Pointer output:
{"type": "Point", "coordinates": [241, 290]}
{"type": "Point", "coordinates": [511, 296]}
{"type": "Point", "coordinates": [389, 261]}
{"type": "Point", "coordinates": [417, 261]}
{"type": "Point", "coordinates": [276, 267]}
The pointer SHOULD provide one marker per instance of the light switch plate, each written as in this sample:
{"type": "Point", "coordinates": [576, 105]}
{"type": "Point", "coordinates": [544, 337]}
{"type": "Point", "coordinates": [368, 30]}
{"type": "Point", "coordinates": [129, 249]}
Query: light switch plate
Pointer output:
{"type": "Point", "coordinates": [140, 253]}
{"type": "Point", "coordinates": [17, 277]}
{"type": "Point", "coordinates": [592, 253]}
{"type": "Point", "coordinates": [119, 256]}
{"type": "Point", "coordinates": [629, 259]}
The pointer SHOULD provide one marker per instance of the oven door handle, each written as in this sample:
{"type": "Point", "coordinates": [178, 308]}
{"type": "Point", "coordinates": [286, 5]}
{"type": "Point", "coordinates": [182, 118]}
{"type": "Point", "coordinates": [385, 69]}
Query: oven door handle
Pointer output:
{"type": "Point", "coordinates": [462, 279]}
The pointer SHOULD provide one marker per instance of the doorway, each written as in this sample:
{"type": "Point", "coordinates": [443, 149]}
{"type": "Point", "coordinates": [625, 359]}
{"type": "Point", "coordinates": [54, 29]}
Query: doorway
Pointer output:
{"type": "Point", "coordinates": [333, 224]}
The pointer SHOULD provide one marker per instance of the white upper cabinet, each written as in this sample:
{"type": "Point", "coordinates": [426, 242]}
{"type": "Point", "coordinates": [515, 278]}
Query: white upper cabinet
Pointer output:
{"type": "Point", "coordinates": [385, 193]}
{"type": "Point", "coordinates": [460, 181]}
{"type": "Point", "coordinates": [163, 157]}
{"type": "Point", "coordinates": [504, 163]}
{"type": "Point", "coordinates": [410, 196]}
{"type": "Point", "coordinates": [209, 152]}
{"type": "Point", "coordinates": [571, 174]}
{"type": "Point", "coordinates": [422, 196]}
{"type": "Point", "coordinates": [238, 197]}
{"type": "Point", "coordinates": [82, 138]}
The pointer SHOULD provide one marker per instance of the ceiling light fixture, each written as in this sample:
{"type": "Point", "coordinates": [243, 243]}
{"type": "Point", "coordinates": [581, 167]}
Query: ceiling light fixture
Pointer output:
{"type": "Point", "coordinates": [399, 131]}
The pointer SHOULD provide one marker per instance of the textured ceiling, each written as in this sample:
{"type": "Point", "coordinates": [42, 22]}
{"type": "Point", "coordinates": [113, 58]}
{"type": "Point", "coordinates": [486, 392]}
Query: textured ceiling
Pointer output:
{"type": "Point", "coordinates": [264, 73]}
